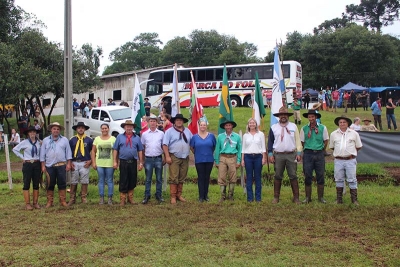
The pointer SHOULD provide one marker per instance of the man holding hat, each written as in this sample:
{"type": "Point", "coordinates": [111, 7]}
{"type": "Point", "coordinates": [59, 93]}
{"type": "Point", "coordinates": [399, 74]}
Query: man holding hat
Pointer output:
{"type": "Point", "coordinates": [284, 150]}
{"type": "Point", "coordinates": [127, 151]}
{"type": "Point", "coordinates": [176, 146]}
{"type": "Point", "coordinates": [147, 106]}
{"type": "Point", "coordinates": [30, 167]}
{"type": "Point", "coordinates": [314, 138]}
{"type": "Point", "coordinates": [55, 156]}
{"type": "Point", "coordinates": [81, 147]}
{"type": "Point", "coordinates": [228, 156]}
{"type": "Point", "coordinates": [345, 143]}
{"type": "Point", "coordinates": [152, 140]}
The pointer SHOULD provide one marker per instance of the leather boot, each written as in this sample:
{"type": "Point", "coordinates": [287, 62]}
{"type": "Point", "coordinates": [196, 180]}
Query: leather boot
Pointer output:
{"type": "Point", "coordinates": [295, 189]}
{"type": "Point", "coordinates": [146, 200]}
{"type": "Point", "coordinates": [101, 202]}
{"type": "Point", "coordinates": [277, 191]}
{"type": "Point", "coordinates": [295, 121]}
{"type": "Point", "coordinates": [36, 199]}
{"type": "Point", "coordinates": [110, 201]}
{"type": "Point", "coordinates": [50, 198]}
{"type": "Point", "coordinates": [84, 191]}
{"type": "Point", "coordinates": [339, 195]}
{"type": "Point", "coordinates": [72, 194]}
{"type": "Point", "coordinates": [353, 195]}
{"type": "Point", "coordinates": [308, 194]}
{"type": "Point", "coordinates": [231, 191]}
{"type": "Point", "coordinates": [320, 189]}
{"type": "Point", "coordinates": [122, 198]}
{"type": "Point", "coordinates": [130, 197]}
{"type": "Point", "coordinates": [223, 193]}
{"type": "Point", "coordinates": [62, 195]}
{"type": "Point", "coordinates": [172, 191]}
{"type": "Point", "coordinates": [179, 193]}
{"type": "Point", "coordinates": [27, 200]}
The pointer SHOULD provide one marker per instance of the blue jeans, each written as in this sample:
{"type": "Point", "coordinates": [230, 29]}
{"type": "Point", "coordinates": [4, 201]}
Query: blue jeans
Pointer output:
{"type": "Point", "coordinates": [253, 166]}
{"type": "Point", "coordinates": [203, 178]}
{"type": "Point", "coordinates": [106, 174]}
{"type": "Point", "coordinates": [314, 161]}
{"type": "Point", "coordinates": [391, 117]}
{"type": "Point", "coordinates": [151, 164]}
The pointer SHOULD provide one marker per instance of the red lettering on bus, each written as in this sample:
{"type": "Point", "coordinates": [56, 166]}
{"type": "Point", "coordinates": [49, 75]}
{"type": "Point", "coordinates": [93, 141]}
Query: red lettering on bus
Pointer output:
{"type": "Point", "coordinates": [245, 84]}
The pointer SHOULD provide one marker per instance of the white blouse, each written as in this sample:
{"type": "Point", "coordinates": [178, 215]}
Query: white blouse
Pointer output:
{"type": "Point", "coordinates": [253, 144]}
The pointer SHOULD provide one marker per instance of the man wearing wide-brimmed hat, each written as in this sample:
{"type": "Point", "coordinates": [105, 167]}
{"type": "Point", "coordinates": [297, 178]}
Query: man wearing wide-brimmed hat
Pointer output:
{"type": "Point", "coordinates": [127, 152]}
{"type": "Point", "coordinates": [31, 166]}
{"type": "Point", "coordinates": [147, 106]}
{"type": "Point", "coordinates": [368, 126]}
{"type": "Point", "coordinates": [228, 156]}
{"type": "Point", "coordinates": [284, 150]}
{"type": "Point", "coordinates": [345, 144]}
{"type": "Point", "coordinates": [314, 138]}
{"type": "Point", "coordinates": [81, 147]}
{"type": "Point", "coordinates": [55, 156]}
{"type": "Point", "coordinates": [176, 146]}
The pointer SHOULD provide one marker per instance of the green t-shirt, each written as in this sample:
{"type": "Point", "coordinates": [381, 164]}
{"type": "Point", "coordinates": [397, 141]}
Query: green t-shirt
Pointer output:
{"type": "Point", "coordinates": [104, 155]}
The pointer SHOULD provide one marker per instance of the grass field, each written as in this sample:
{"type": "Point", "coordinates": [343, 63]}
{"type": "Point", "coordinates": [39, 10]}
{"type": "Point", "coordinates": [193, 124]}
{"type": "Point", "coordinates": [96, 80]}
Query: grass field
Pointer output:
{"type": "Point", "coordinates": [208, 234]}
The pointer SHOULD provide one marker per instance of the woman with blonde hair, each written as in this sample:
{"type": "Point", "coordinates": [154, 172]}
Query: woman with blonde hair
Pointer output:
{"type": "Point", "coordinates": [254, 156]}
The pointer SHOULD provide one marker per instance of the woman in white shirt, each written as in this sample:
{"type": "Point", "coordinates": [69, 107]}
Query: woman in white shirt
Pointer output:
{"type": "Point", "coordinates": [356, 124]}
{"type": "Point", "coordinates": [15, 138]}
{"type": "Point", "coordinates": [254, 156]}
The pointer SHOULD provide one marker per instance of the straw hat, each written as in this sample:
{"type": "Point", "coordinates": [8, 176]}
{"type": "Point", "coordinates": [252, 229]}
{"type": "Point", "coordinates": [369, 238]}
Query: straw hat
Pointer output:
{"type": "Point", "coordinates": [283, 111]}
{"type": "Point", "coordinates": [128, 122]}
{"type": "Point", "coordinates": [55, 124]}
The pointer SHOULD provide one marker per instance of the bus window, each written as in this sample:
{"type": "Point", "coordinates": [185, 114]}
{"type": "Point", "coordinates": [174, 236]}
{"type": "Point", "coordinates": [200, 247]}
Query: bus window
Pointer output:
{"type": "Point", "coordinates": [237, 74]}
{"type": "Point", "coordinates": [286, 71]}
{"type": "Point", "coordinates": [153, 88]}
{"type": "Point", "coordinates": [264, 72]}
{"type": "Point", "coordinates": [205, 75]}
{"type": "Point", "coordinates": [219, 74]}
{"type": "Point", "coordinates": [248, 73]}
{"type": "Point", "coordinates": [156, 76]}
{"type": "Point", "coordinates": [184, 76]}
{"type": "Point", "coordinates": [168, 77]}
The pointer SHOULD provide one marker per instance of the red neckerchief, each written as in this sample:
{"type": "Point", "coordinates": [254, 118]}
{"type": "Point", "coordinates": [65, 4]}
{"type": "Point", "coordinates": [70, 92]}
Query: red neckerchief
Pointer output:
{"type": "Point", "coordinates": [379, 106]}
{"type": "Point", "coordinates": [182, 134]}
{"type": "Point", "coordinates": [129, 139]}
{"type": "Point", "coordinates": [283, 130]}
{"type": "Point", "coordinates": [315, 128]}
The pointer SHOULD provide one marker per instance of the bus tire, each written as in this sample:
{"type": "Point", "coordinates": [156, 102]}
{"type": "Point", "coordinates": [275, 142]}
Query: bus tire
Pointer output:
{"type": "Point", "coordinates": [235, 101]}
{"type": "Point", "coordinates": [248, 102]}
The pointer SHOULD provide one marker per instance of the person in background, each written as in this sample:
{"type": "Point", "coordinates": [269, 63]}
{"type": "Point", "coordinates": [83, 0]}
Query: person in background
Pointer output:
{"type": "Point", "coordinates": [203, 145]}
{"type": "Point", "coordinates": [147, 106]}
{"type": "Point", "coordinates": [368, 127]}
{"type": "Point", "coordinates": [346, 98]}
{"type": "Point", "coordinates": [321, 99]}
{"type": "Point", "coordinates": [284, 151]}
{"type": "Point", "coordinates": [228, 157]}
{"type": "Point", "coordinates": [98, 102]}
{"type": "Point", "coordinates": [296, 110]}
{"type": "Point", "coordinates": [390, 106]}
{"type": "Point", "coordinates": [30, 167]}
{"type": "Point", "coordinates": [15, 138]}
{"type": "Point", "coordinates": [328, 98]}
{"type": "Point", "coordinates": [254, 156]}
{"type": "Point", "coordinates": [55, 157]}
{"type": "Point", "coordinates": [376, 108]}
{"type": "Point", "coordinates": [356, 124]}
{"type": "Point", "coordinates": [299, 95]}
{"type": "Point", "coordinates": [82, 106]}
{"type": "Point", "coordinates": [353, 100]}
{"type": "Point", "coordinates": [335, 99]}
{"type": "Point", "coordinates": [40, 120]}
{"type": "Point", "coordinates": [345, 164]}
{"type": "Point", "coordinates": [23, 122]}
{"type": "Point", "coordinates": [110, 102]}
{"type": "Point", "coordinates": [81, 147]}
{"type": "Point", "coordinates": [268, 95]}
{"type": "Point", "coordinates": [307, 99]}
{"type": "Point", "coordinates": [75, 107]}
{"type": "Point", "coordinates": [364, 98]}
{"type": "Point", "coordinates": [314, 139]}
{"type": "Point", "coordinates": [128, 150]}
{"type": "Point", "coordinates": [176, 146]}
{"type": "Point", "coordinates": [167, 124]}
{"type": "Point", "coordinates": [144, 125]}
{"type": "Point", "coordinates": [102, 162]}
{"type": "Point", "coordinates": [85, 112]}
{"type": "Point", "coordinates": [153, 161]}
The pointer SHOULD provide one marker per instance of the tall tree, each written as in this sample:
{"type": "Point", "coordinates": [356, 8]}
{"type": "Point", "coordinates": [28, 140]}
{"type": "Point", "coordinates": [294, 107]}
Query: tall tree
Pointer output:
{"type": "Point", "coordinates": [331, 25]}
{"type": "Point", "coordinates": [11, 17]}
{"type": "Point", "coordinates": [374, 13]}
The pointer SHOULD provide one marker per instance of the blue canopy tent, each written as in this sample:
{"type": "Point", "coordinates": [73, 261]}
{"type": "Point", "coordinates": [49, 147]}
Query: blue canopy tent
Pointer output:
{"type": "Point", "coordinates": [385, 93]}
{"type": "Point", "coordinates": [348, 87]}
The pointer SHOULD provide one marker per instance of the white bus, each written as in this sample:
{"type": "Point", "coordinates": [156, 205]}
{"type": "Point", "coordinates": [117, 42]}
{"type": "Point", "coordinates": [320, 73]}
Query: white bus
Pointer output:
{"type": "Point", "coordinates": [241, 79]}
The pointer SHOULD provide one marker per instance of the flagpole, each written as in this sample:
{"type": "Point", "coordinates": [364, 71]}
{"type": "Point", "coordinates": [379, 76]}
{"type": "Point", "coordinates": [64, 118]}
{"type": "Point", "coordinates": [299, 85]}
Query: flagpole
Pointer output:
{"type": "Point", "coordinates": [178, 105]}
{"type": "Point", "coordinates": [284, 100]}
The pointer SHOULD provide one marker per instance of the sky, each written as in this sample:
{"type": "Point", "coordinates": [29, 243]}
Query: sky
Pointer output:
{"type": "Point", "coordinates": [110, 24]}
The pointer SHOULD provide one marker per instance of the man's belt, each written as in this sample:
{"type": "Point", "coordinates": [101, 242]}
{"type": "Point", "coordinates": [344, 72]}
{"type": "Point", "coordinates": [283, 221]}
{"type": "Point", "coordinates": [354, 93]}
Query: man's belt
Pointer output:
{"type": "Point", "coordinates": [127, 161]}
{"type": "Point", "coordinates": [155, 157]}
{"type": "Point", "coordinates": [31, 161]}
{"type": "Point", "coordinates": [311, 150]}
{"type": "Point", "coordinates": [285, 152]}
{"type": "Point", "coordinates": [346, 158]}
{"type": "Point", "coordinates": [59, 164]}
{"type": "Point", "coordinates": [228, 155]}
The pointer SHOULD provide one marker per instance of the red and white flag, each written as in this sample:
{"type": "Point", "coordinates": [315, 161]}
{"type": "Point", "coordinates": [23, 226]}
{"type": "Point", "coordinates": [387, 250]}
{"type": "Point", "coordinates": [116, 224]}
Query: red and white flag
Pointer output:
{"type": "Point", "coordinates": [195, 108]}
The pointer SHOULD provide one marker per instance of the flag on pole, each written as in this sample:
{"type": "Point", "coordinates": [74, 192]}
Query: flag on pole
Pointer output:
{"type": "Point", "coordinates": [138, 110]}
{"type": "Point", "coordinates": [278, 88]}
{"type": "Point", "coordinates": [195, 108]}
{"type": "Point", "coordinates": [225, 105]}
{"type": "Point", "coordinates": [258, 104]}
{"type": "Point", "coordinates": [175, 96]}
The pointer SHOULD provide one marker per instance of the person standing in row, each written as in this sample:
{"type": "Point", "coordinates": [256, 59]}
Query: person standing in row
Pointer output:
{"type": "Point", "coordinates": [284, 150]}
{"type": "Point", "coordinates": [102, 161]}
{"type": "Point", "coordinates": [127, 151]}
{"type": "Point", "coordinates": [353, 100]}
{"type": "Point", "coordinates": [30, 166]}
{"type": "Point", "coordinates": [55, 157]}
{"type": "Point", "coordinates": [307, 99]}
{"type": "Point", "coordinates": [314, 139]}
{"type": "Point", "coordinates": [203, 145]}
{"type": "Point", "coordinates": [376, 108]}
{"type": "Point", "coordinates": [254, 156]}
{"type": "Point", "coordinates": [228, 156]}
{"type": "Point", "coordinates": [296, 110]}
{"type": "Point", "coordinates": [390, 106]}
{"type": "Point", "coordinates": [345, 144]}
{"type": "Point", "coordinates": [176, 146]}
{"type": "Point", "coordinates": [152, 144]}
{"type": "Point", "coordinates": [364, 100]}
{"type": "Point", "coordinates": [81, 147]}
